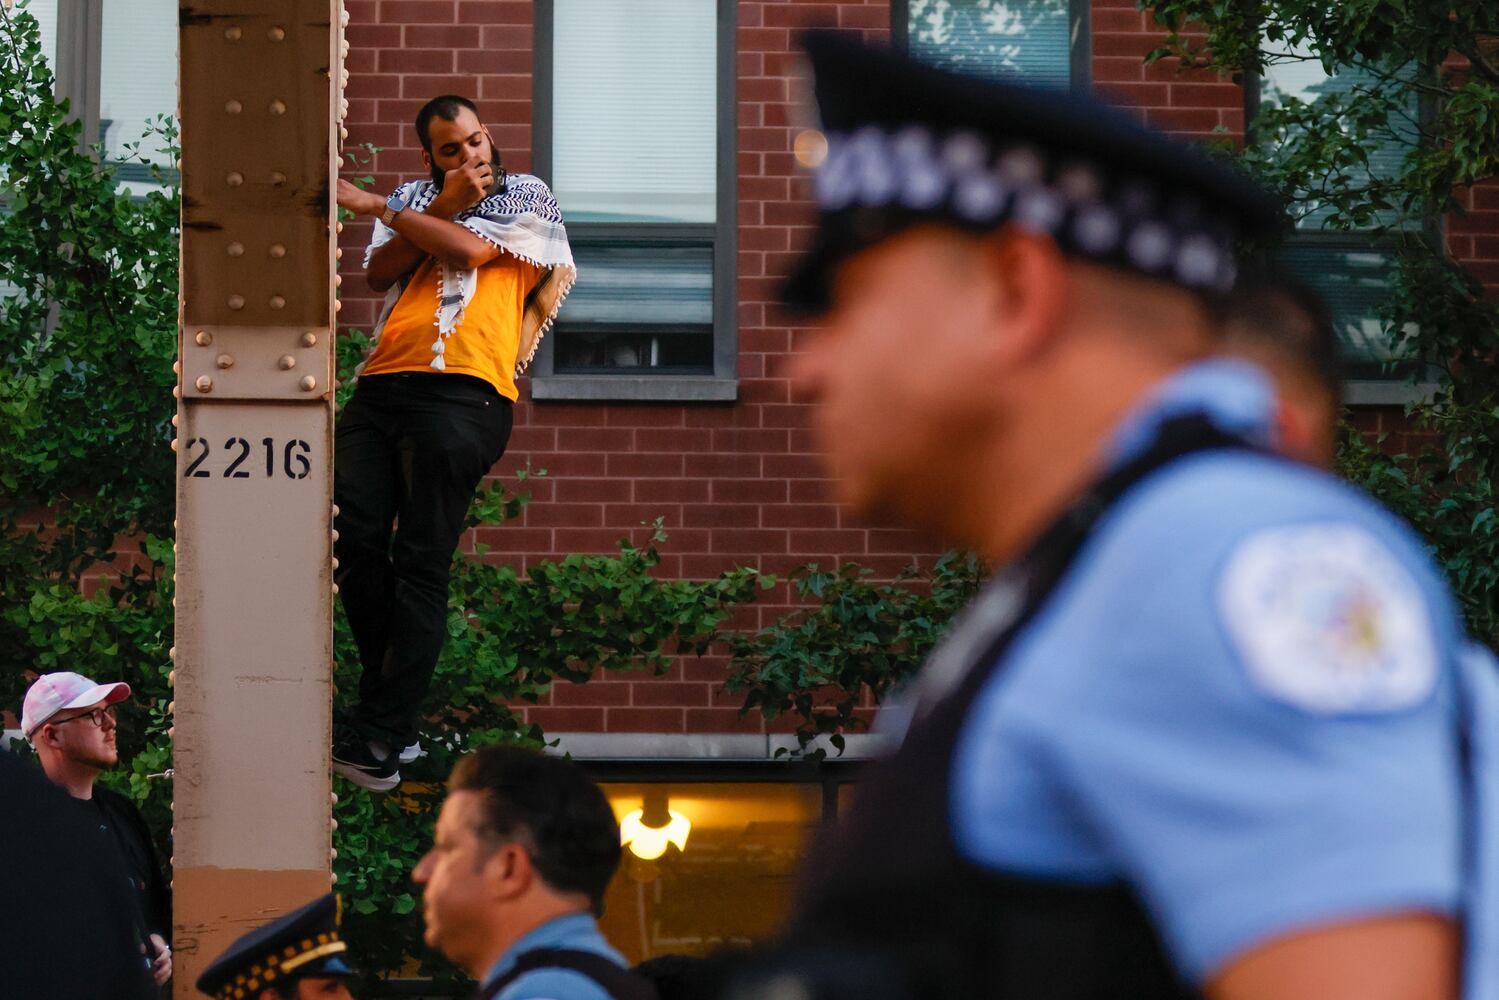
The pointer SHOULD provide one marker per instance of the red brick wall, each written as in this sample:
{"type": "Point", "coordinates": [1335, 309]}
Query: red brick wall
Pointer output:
{"type": "Point", "coordinates": [736, 483]}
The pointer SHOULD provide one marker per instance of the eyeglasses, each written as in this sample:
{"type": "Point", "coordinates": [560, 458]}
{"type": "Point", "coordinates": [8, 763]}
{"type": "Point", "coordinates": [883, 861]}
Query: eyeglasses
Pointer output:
{"type": "Point", "coordinates": [97, 717]}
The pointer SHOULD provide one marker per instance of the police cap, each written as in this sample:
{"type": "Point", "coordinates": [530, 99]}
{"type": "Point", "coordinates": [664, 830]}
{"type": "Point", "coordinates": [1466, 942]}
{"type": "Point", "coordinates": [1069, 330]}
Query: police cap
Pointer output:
{"type": "Point", "coordinates": [302, 943]}
{"type": "Point", "coordinates": [907, 143]}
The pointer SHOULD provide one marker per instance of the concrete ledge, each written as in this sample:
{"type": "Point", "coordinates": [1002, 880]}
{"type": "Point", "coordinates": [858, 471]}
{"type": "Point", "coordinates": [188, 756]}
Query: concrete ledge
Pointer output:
{"type": "Point", "coordinates": [700, 746]}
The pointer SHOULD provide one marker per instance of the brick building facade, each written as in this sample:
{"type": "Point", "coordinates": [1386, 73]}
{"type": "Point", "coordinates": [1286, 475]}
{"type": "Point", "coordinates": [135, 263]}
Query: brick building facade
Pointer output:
{"type": "Point", "coordinates": [737, 481]}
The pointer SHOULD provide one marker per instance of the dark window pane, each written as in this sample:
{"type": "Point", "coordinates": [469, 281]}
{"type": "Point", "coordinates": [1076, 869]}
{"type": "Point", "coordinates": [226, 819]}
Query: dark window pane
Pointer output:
{"type": "Point", "coordinates": [674, 352]}
{"type": "Point", "coordinates": [1019, 39]}
{"type": "Point", "coordinates": [1354, 282]}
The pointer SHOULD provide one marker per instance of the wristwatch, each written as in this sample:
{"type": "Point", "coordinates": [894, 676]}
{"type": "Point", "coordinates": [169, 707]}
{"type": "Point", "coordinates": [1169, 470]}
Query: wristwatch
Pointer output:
{"type": "Point", "coordinates": [394, 205]}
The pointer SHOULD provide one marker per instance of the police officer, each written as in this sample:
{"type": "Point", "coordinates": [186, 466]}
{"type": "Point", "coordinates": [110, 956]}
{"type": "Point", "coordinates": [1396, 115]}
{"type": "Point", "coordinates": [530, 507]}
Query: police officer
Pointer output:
{"type": "Point", "coordinates": [299, 956]}
{"type": "Point", "coordinates": [1200, 736]}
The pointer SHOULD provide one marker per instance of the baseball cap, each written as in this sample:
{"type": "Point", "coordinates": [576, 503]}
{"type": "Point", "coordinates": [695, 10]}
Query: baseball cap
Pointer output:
{"type": "Point", "coordinates": [51, 693]}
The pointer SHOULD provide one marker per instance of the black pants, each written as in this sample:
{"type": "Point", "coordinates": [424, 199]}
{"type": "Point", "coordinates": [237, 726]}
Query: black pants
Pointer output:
{"type": "Point", "coordinates": [410, 450]}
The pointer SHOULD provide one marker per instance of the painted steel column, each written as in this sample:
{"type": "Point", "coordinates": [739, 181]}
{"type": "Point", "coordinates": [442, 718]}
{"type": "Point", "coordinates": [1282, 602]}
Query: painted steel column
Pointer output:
{"type": "Point", "coordinates": [260, 110]}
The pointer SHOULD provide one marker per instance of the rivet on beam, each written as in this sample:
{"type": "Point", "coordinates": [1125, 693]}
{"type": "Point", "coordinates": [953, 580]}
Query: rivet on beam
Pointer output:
{"type": "Point", "coordinates": [174, 444]}
{"type": "Point", "coordinates": [338, 254]}
{"type": "Point", "coordinates": [235, 179]}
{"type": "Point", "coordinates": [174, 420]}
{"type": "Point", "coordinates": [172, 678]}
{"type": "Point", "coordinates": [278, 178]}
{"type": "Point", "coordinates": [235, 249]}
{"type": "Point", "coordinates": [338, 227]}
{"type": "Point", "coordinates": [337, 305]}
{"type": "Point", "coordinates": [236, 302]}
{"type": "Point", "coordinates": [308, 383]}
{"type": "Point", "coordinates": [335, 510]}
{"type": "Point", "coordinates": [338, 280]}
{"type": "Point", "coordinates": [233, 34]}
{"type": "Point", "coordinates": [335, 588]}
{"type": "Point", "coordinates": [171, 708]}
{"type": "Point", "coordinates": [343, 133]}
{"type": "Point", "coordinates": [233, 107]}
{"type": "Point", "coordinates": [278, 250]}
{"type": "Point", "coordinates": [334, 534]}
{"type": "Point", "coordinates": [224, 361]}
{"type": "Point", "coordinates": [172, 654]}
{"type": "Point", "coordinates": [204, 384]}
{"type": "Point", "coordinates": [287, 362]}
{"type": "Point", "coordinates": [177, 367]}
{"type": "Point", "coordinates": [203, 339]}
{"type": "Point", "coordinates": [176, 392]}
{"type": "Point", "coordinates": [277, 302]}
{"type": "Point", "coordinates": [277, 107]}
{"type": "Point", "coordinates": [309, 339]}
{"type": "Point", "coordinates": [276, 34]}
{"type": "Point", "coordinates": [343, 18]}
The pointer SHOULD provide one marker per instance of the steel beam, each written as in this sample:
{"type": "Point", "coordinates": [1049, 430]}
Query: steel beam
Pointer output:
{"type": "Point", "coordinates": [260, 100]}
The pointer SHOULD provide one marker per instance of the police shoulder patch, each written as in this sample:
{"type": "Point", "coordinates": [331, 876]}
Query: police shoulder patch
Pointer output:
{"type": "Point", "coordinates": [1327, 619]}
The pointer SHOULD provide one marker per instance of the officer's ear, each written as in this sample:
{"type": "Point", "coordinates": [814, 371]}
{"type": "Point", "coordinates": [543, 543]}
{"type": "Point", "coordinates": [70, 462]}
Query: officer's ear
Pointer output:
{"type": "Point", "coordinates": [508, 871]}
{"type": "Point", "coordinates": [1031, 275]}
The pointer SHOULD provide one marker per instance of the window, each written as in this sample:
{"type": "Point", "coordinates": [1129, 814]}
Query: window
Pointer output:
{"type": "Point", "coordinates": [1043, 43]}
{"type": "Point", "coordinates": [1348, 261]}
{"type": "Point", "coordinates": [747, 826]}
{"type": "Point", "coordinates": [634, 126]}
{"type": "Point", "coordinates": [117, 65]}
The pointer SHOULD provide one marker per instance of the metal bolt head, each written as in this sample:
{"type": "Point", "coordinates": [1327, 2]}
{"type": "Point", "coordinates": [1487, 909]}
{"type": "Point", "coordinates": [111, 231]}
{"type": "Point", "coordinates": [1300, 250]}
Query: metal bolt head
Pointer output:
{"type": "Point", "coordinates": [174, 424]}
{"type": "Point", "coordinates": [234, 179]}
{"type": "Point", "coordinates": [204, 384]}
{"type": "Point", "coordinates": [172, 677]}
{"type": "Point", "coordinates": [338, 254]}
{"type": "Point", "coordinates": [308, 383]}
{"type": "Point", "coordinates": [309, 339]}
{"type": "Point", "coordinates": [337, 305]}
{"type": "Point", "coordinates": [177, 367]}
{"type": "Point", "coordinates": [276, 34]}
{"type": "Point", "coordinates": [335, 510]}
{"type": "Point", "coordinates": [278, 178]}
{"type": "Point", "coordinates": [233, 107]}
{"type": "Point", "coordinates": [236, 302]}
{"type": "Point", "coordinates": [338, 227]}
{"type": "Point", "coordinates": [203, 338]}
{"type": "Point", "coordinates": [277, 302]}
{"type": "Point", "coordinates": [338, 281]}
{"type": "Point", "coordinates": [172, 653]}
{"type": "Point", "coordinates": [277, 107]}
{"type": "Point", "coordinates": [235, 249]}
{"type": "Point", "coordinates": [174, 444]}
{"type": "Point", "coordinates": [277, 250]}
{"type": "Point", "coordinates": [176, 392]}
{"type": "Point", "coordinates": [171, 708]}
{"type": "Point", "coordinates": [233, 34]}
{"type": "Point", "coordinates": [287, 362]}
{"type": "Point", "coordinates": [224, 361]}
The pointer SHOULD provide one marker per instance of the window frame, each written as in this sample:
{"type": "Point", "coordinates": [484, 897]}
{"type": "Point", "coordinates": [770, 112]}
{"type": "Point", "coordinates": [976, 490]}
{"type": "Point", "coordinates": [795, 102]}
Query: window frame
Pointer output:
{"type": "Point", "coordinates": [722, 385]}
{"type": "Point", "coordinates": [1080, 46]}
{"type": "Point", "coordinates": [1395, 390]}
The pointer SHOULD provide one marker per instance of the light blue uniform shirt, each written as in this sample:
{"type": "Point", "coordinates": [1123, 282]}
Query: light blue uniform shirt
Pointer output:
{"type": "Point", "coordinates": [575, 932]}
{"type": "Point", "coordinates": [1240, 700]}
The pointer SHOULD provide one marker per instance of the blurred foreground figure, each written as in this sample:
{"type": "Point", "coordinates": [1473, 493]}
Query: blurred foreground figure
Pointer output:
{"type": "Point", "coordinates": [1284, 328]}
{"type": "Point", "coordinates": [522, 853]}
{"type": "Point", "coordinates": [1203, 734]}
{"type": "Point", "coordinates": [299, 956]}
{"type": "Point", "coordinates": [68, 929]}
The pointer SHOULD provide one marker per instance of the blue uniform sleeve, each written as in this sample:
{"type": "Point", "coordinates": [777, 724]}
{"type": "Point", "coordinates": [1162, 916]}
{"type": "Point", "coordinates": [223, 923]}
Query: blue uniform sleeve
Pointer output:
{"type": "Point", "coordinates": [553, 984]}
{"type": "Point", "coordinates": [1259, 738]}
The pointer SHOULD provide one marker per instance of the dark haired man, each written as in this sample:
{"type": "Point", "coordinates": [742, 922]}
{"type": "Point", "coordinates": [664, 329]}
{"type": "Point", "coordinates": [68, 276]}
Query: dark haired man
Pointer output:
{"type": "Point", "coordinates": [523, 850]}
{"type": "Point", "coordinates": [474, 264]}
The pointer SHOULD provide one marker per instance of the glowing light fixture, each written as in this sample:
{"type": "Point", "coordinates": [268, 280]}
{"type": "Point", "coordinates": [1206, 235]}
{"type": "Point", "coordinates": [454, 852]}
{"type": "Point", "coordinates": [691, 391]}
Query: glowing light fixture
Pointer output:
{"type": "Point", "coordinates": [648, 831]}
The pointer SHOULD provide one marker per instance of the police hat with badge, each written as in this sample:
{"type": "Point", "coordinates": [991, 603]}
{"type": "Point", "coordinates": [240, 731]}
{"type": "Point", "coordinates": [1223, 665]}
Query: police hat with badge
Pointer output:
{"type": "Point", "coordinates": [908, 143]}
{"type": "Point", "coordinates": [302, 943]}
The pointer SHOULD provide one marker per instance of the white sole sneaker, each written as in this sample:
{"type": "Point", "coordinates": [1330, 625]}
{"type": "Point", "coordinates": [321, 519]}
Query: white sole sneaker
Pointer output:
{"type": "Point", "coordinates": [411, 753]}
{"type": "Point", "coordinates": [365, 779]}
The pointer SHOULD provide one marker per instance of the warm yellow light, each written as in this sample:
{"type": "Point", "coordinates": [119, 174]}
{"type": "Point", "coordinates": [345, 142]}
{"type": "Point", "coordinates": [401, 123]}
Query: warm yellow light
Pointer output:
{"type": "Point", "coordinates": [648, 842]}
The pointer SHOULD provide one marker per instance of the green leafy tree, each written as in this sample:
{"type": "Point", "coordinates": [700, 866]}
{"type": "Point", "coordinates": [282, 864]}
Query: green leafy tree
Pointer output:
{"type": "Point", "coordinates": [1386, 156]}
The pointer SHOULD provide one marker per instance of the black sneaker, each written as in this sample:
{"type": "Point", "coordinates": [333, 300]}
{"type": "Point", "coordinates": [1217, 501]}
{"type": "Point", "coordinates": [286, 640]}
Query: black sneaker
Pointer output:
{"type": "Point", "coordinates": [352, 759]}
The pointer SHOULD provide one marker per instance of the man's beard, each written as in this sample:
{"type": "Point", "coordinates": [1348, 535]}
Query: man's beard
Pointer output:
{"type": "Point", "coordinates": [439, 175]}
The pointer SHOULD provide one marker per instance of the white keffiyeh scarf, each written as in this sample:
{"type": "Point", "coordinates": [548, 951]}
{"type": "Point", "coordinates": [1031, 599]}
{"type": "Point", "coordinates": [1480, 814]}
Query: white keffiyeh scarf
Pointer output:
{"type": "Point", "coordinates": [524, 221]}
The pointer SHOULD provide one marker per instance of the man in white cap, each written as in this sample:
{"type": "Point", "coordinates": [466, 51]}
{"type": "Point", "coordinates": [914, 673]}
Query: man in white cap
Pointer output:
{"type": "Point", "coordinates": [70, 720]}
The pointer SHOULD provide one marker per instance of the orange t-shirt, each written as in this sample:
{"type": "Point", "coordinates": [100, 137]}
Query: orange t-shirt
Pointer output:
{"type": "Point", "coordinates": [484, 345]}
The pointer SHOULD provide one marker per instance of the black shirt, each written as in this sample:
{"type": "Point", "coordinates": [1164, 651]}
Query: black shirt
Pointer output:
{"type": "Point", "coordinates": [121, 823]}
